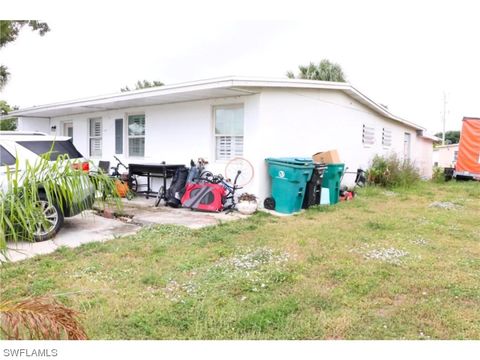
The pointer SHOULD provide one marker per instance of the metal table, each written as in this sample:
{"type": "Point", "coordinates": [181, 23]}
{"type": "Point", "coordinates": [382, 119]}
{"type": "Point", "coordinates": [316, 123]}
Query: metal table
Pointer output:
{"type": "Point", "coordinates": [150, 171]}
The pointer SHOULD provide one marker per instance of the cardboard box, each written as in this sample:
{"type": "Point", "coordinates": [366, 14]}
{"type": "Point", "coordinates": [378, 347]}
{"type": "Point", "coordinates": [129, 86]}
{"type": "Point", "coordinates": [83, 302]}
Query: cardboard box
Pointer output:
{"type": "Point", "coordinates": [326, 157]}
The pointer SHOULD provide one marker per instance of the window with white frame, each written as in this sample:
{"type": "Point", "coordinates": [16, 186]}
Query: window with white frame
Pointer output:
{"type": "Point", "coordinates": [95, 137]}
{"type": "Point", "coordinates": [368, 135]}
{"type": "Point", "coordinates": [228, 131]}
{"type": "Point", "coordinates": [386, 137]}
{"type": "Point", "coordinates": [136, 135]}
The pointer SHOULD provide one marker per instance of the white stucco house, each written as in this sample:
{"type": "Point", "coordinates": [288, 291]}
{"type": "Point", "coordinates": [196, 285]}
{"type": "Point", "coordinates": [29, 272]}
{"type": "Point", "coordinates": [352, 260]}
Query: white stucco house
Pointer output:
{"type": "Point", "coordinates": [226, 117]}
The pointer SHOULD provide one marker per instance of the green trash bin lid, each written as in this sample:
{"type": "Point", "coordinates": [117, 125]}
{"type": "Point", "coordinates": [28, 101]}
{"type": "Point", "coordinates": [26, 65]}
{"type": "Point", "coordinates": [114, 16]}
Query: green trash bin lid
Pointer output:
{"type": "Point", "coordinates": [292, 161]}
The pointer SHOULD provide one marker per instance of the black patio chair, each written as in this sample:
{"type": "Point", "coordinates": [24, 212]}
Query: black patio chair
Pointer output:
{"type": "Point", "coordinates": [104, 166]}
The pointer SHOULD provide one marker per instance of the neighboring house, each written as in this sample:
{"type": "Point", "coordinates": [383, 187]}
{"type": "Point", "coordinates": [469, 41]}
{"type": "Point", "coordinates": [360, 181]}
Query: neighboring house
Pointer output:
{"type": "Point", "coordinates": [221, 118]}
{"type": "Point", "coordinates": [445, 155]}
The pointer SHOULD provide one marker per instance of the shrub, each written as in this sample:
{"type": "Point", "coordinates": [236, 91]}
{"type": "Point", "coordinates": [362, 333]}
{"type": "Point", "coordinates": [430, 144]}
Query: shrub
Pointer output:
{"type": "Point", "coordinates": [391, 171]}
{"type": "Point", "coordinates": [438, 175]}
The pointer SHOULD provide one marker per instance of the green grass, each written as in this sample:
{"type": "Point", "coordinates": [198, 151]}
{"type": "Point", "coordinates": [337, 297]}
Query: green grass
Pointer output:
{"type": "Point", "coordinates": [309, 276]}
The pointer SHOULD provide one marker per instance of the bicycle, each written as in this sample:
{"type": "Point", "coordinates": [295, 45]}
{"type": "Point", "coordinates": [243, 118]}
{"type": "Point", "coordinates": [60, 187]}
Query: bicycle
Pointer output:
{"type": "Point", "coordinates": [124, 178]}
{"type": "Point", "coordinates": [240, 169]}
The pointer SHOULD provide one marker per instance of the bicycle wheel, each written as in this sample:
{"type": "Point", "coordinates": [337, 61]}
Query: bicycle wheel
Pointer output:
{"type": "Point", "coordinates": [159, 196]}
{"type": "Point", "coordinates": [133, 184]}
{"type": "Point", "coordinates": [239, 164]}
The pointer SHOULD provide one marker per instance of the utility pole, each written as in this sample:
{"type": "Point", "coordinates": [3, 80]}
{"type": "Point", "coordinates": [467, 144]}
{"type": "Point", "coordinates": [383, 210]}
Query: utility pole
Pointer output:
{"type": "Point", "coordinates": [444, 116]}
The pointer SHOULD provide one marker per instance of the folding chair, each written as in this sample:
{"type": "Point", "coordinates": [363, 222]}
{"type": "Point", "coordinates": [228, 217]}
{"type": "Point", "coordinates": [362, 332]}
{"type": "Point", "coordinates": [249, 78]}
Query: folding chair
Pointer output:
{"type": "Point", "coordinates": [104, 167]}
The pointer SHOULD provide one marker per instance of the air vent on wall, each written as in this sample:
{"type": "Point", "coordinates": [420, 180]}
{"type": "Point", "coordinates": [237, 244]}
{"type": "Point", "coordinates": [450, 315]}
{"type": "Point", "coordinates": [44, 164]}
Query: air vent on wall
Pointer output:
{"type": "Point", "coordinates": [368, 137]}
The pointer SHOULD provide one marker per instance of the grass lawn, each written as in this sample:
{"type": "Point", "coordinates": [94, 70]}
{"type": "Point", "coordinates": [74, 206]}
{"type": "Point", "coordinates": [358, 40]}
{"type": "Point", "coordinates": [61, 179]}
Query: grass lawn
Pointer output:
{"type": "Point", "coordinates": [384, 266]}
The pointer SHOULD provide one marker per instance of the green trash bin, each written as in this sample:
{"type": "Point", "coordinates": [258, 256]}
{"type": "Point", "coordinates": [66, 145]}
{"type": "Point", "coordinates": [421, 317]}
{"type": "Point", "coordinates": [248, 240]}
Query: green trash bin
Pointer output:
{"type": "Point", "coordinates": [331, 180]}
{"type": "Point", "coordinates": [289, 180]}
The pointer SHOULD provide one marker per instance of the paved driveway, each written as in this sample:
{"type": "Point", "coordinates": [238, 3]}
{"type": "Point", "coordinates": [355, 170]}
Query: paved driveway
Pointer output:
{"type": "Point", "coordinates": [80, 229]}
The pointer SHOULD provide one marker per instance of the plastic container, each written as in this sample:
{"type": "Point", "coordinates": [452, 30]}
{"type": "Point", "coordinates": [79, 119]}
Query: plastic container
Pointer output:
{"type": "Point", "coordinates": [331, 180]}
{"type": "Point", "coordinates": [289, 180]}
{"type": "Point", "coordinates": [313, 190]}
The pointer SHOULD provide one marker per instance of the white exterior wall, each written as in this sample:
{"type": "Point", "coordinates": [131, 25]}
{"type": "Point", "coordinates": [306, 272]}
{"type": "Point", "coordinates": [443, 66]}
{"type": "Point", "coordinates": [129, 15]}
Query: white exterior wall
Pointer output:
{"type": "Point", "coordinates": [424, 157]}
{"type": "Point", "coordinates": [33, 124]}
{"type": "Point", "coordinates": [303, 122]}
{"type": "Point", "coordinates": [175, 133]}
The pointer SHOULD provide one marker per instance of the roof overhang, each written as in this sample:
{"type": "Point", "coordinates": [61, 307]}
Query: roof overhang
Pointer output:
{"type": "Point", "coordinates": [431, 137]}
{"type": "Point", "coordinates": [194, 91]}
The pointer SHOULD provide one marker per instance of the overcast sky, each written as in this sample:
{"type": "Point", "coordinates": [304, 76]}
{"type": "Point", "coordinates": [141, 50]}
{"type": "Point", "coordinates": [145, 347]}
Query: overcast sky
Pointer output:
{"type": "Point", "coordinates": [404, 56]}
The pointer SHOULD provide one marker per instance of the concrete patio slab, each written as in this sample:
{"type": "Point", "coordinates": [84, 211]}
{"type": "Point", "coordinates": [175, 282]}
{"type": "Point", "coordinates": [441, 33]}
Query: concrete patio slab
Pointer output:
{"type": "Point", "coordinates": [145, 212]}
{"type": "Point", "coordinates": [81, 229]}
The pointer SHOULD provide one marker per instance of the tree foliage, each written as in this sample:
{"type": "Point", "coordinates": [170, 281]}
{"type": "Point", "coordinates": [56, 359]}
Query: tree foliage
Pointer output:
{"type": "Point", "coordinates": [4, 75]}
{"type": "Point", "coordinates": [143, 85]}
{"type": "Point", "coordinates": [451, 137]}
{"type": "Point", "coordinates": [9, 31]}
{"type": "Point", "coordinates": [325, 70]}
{"type": "Point", "coordinates": [9, 123]}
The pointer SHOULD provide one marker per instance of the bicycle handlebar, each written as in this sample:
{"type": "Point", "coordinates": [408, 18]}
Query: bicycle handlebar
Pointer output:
{"type": "Point", "coordinates": [120, 162]}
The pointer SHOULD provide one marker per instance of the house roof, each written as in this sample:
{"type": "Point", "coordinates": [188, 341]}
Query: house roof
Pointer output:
{"type": "Point", "coordinates": [431, 137]}
{"type": "Point", "coordinates": [197, 90]}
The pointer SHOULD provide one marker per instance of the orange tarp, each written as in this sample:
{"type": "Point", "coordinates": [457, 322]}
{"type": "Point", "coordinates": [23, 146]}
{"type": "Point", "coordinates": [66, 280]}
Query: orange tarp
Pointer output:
{"type": "Point", "coordinates": [469, 148]}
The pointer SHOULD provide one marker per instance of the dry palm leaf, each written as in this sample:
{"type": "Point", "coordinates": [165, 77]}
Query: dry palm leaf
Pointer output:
{"type": "Point", "coordinates": [39, 318]}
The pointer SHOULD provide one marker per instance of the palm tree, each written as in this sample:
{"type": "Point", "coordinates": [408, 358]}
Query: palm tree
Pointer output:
{"type": "Point", "coordinates": [324, 71]}
{"type": "Point", "coordinates": [143, 85]}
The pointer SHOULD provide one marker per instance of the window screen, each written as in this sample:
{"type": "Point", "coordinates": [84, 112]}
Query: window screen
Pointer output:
{"type": "Point", "coordinates": [118, 136]}
{"type": "Point", "coordinates": [228, 132]}
{"type": "Point", "coordinates": [136, 135]}
{"type": "Point", "coordinates": [96, 137]}
{"type": "Point", "coordinates": [6, 158]}
{"type": "Point", "coordinates": [57, 148]}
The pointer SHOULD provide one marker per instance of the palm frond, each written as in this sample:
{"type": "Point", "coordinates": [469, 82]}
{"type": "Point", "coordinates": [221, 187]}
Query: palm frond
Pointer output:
{"type": "Point", "coordinates": [39, 318]}
{"type": "Point", "coordinates": [324, 71]}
